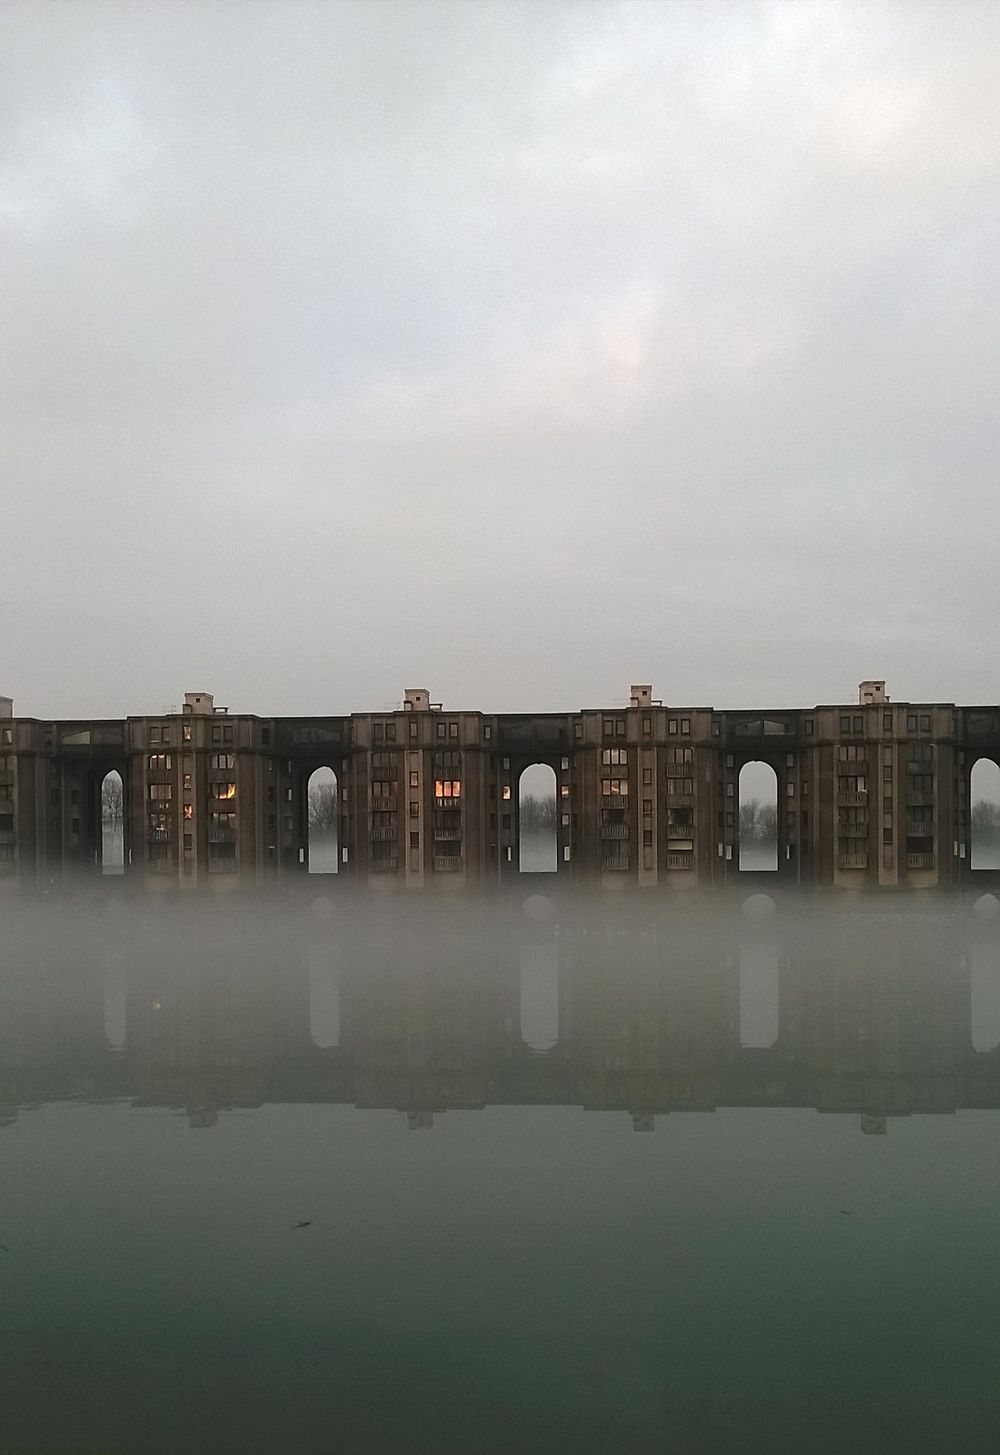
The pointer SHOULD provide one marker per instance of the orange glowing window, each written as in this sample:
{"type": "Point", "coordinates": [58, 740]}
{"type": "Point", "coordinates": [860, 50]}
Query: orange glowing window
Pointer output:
{"type": "Point", "coordinates": [226, 790]}
{"type": "Point", "coordinates": [189, 810]}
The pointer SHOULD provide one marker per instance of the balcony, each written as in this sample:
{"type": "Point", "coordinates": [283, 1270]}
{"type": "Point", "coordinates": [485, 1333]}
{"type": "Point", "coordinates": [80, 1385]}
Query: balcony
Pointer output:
{"type": "Point", "coordinates": [918, 797]}
{"type": "Point", "coordinates": [383, 834]}
{"type": "Point", "coordinates": [448, 835]}
{"type": "Point", "coordinates": [679, 800]}
{"type": "Point", "coordinates": [920, 861]}
{"type": "Point", "coordinates": [383, 805]}
{"type": "Point", "coordinates": [853, 800]}
{"type": "Point", "coordinates": [7, 836]}
{"type": "Point", "coordinates": [852, 861]}
{"type": "Point", "coordinates": [384, 866]}
{"type": "Point", "coordinates": [447, 863]}
{"type": "Point", "coordinates": [680, 861]}
{"type": "Point", "coordinates": [680, 830]}
{"type": "Point", "coordinates": [920, 828]}
{"type": "Point", "coordinates": [614, 830]}
{"type": "Point", "coordinates": [920, 765]}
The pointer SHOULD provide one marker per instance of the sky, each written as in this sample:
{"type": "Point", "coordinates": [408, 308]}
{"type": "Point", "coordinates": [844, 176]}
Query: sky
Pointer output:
{"type": "Point", "coordinates": [518, 351]}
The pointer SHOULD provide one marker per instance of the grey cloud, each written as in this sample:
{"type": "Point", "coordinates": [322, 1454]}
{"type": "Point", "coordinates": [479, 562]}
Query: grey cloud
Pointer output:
{"type": "Point", "coordinates": [525, 350]}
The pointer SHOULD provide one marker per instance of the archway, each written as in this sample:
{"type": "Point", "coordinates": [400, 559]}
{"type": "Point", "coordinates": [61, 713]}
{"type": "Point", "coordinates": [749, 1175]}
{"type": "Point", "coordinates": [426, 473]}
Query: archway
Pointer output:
{"type": "Point", "coordinates": [324, 997]}
{"type": "Point", "coordinates": [984, 996]}
{"type": "Point", "coordinates": [984, 815]}
{"type": "Point", "coordinates": [537, 831]}
{"type": "Point", "coordinates": [112, 823]}
{"type": "Point", "coordinates": [759, 987]}
{"type": "Point", "coordinates": [323, 798]}
{"type": "Point", "coordinates": [757, 824]}
{"type": "Point", "coordinates": [539, 986]}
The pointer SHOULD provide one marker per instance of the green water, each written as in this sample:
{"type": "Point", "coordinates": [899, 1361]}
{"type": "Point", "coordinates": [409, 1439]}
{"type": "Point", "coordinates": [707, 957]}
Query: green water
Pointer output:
{"type": "Point", "coordinates": [512, 1277]}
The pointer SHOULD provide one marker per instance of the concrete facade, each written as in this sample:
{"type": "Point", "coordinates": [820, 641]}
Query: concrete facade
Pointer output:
{"type": "Point", "coordinates": [873, 794]}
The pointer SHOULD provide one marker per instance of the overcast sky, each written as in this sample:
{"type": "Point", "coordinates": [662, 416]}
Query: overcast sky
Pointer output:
{"type": "Point", "coordinates": [518, 351]}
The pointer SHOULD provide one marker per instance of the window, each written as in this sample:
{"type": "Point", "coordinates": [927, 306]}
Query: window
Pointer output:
{"type": "Point", "coordinates": [564, 791]}
{"type": "Point", "coordinates": [227, 733]}
{"type": "Point", "coordinates": [672, 727]}
{"type": "Point", "coordinates": [453, 730]}
{"type": "Point", "coordinates": [154, 734]}
{"type": "Point", "coordinates": [447, 789]}
{"type": "Point", "coordinates": [619, 727]}
{"type": "Point", "coordinates": [189, 810]}
{"type": "Point", "coordinates": [505, 793]}
{"type": "Point", "coordinates": [216, 734]}
{"type": "Point", "coordinates": [378, 733]}
{"type": "Point", "coordinates": [414, 810]}
{"type": "Point", "coordinates": [911, 722]}
{"type": "Point", "coordinates": [647, 805]}
{"type": "Point", "coordinates": [614, 787]}
{"type": "Point", "coordinates": [810, 727]}
{"type": "Point", "coordinates": [647, 725]}
{"type": "Point", "coordinates": [414, 780]}
{"type": "Point", "coordinates": [488, 731]}
{"type": "Point", "coordinates": [8, 737]}
{"type": "Point", "coordinates": [223, 790]}
{"type": "Point", "coordinates": [607, 727]}
{"type": "Point", "coordinates": [564, 764]}
{"type": "Point", "coordinates": [616, 757]}
{"type": "Point", "coordinates": [647, 837]}
{"type": "Point", "coordinates": [186, 732]}
{"type": "Point", "coordinates": [414, 841]}
{"type": "Point", "coordinates": [845, 724]}
{"type": "Point", "coordinates": [187, 782]}
{"type": "Point", "coordinates": [225, 761]}
{"type": "Point", "coordinates": [161, 790]}
{"type": "Point", "coordinates": [887, 722]}
{"type": "Point", "coordinates": [859, 724]}
{"type": "Point", "coordinates": [441, 729]}
{"type": "Point", "coordinates": [578, 730]}
{"type": "Point", "coordinates": [390, 732]}
{"type": "Point", "coordinates": [647, 775]}
{"type": "Point", "coordinates": [413, 729]}
{"type": "Point", "coordinates": [159, 762]}
{"type": "Point", "coordinates": [925, 723]}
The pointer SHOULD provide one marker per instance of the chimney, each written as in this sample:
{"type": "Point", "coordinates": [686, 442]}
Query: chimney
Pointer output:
{"type": "Point", "coordinates": [869, 692]}
{"type": "Point", "coordinates": [6, 707]}
{"type": "Point", "coordinates": [416, 699]}
{"type": "Point", "coordinates": [642, 696]}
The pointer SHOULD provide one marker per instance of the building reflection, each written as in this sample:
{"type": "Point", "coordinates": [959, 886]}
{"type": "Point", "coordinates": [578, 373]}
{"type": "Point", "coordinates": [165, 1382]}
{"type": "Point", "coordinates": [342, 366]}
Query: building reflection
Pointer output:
{"type": "Point", "coordinates": [639, 1020]}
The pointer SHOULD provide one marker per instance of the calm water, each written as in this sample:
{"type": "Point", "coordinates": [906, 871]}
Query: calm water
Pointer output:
{"type": "Point", "coordinates": [574, 1183]}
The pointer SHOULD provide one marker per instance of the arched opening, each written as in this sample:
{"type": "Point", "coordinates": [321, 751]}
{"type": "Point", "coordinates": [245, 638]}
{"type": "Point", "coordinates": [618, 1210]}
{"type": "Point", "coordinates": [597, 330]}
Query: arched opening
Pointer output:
{"type": "Point", "coordinates": [540, 996]}
{"type": "Point", "coordinates": [323, 796]}
{"type": "Point", "coordinates": [324, 998]}
{"type": "Point", "coordinates": [112, 823]}
{"type": "Point", "coordinates": [758, 818]}
{"type": "Point", "coordinates": [984, 992]}
{"type": "Point", "coordinates": [984, 815]}
{"type": "Point", "coordinates": [537, 806]}
{"type": "Point", "coordinates": [758, 996]}
{"type": "Point", "coordinates": [115, 999]}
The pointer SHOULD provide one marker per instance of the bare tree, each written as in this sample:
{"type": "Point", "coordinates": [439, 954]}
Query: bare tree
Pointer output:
{"type": "Point", "coordinates": [986, 821]}
{"type": "Point", "coordinates": [324, 809]}
{"type": "Point", "coordinates": [758, 822]}
{"type": "Point", "coordinates": [112, 803]}
{"type": "Point", "coordinates": [536, 815]}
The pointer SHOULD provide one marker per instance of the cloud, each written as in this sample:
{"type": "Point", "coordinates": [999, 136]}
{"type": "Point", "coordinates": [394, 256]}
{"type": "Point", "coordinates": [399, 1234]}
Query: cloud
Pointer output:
{"type": "Point", "coordinates": [539, 347]}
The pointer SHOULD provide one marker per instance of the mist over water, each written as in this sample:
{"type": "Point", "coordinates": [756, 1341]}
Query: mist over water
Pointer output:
{"type": "Point", "coordinates": [368, 1170]}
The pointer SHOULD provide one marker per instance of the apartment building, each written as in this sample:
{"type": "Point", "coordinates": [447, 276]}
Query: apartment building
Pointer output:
{"type": "Point", "coordinates": [646, 794]}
